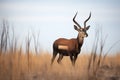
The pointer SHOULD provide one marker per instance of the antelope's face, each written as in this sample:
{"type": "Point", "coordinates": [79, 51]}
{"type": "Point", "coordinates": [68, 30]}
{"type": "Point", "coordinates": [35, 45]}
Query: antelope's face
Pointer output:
{"type": "Point", "coordinates": [82, 32]}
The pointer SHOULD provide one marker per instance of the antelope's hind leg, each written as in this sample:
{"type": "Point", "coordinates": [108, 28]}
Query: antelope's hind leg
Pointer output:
{"type": "Point", "coordinates": [60, 58]}
{"type": "Point", "coordinates": [53, 58]}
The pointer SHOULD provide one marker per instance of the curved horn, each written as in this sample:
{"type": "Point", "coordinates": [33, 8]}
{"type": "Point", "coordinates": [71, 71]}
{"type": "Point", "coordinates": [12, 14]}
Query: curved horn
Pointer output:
{"type": "Point", "coordinates": [87, 20]}
{"type": "Point", "coordinates": [75, 21]}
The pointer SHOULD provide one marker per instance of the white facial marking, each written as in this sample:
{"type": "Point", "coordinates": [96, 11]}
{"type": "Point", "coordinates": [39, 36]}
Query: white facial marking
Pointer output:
{"type": "Point", "coordinates": [63, 47]}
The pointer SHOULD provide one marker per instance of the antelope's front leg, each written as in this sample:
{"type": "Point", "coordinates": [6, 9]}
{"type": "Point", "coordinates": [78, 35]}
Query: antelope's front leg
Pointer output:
{"type": "Point", "coordinates": [75, 58]}
{"type": "Point", "coordinates": [72, 59]}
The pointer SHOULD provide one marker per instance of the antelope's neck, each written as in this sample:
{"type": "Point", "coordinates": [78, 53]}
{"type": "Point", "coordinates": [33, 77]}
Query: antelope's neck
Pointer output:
{"type": "Point", "coordinates": [80, 40]}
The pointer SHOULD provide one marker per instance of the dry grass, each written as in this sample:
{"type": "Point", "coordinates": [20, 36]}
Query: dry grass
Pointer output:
{"type": "Point", "coordinates": [15, 67]}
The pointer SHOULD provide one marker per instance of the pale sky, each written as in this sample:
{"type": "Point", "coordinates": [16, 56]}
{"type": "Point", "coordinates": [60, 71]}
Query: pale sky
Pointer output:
{"type": "Point", "coordinates": [53, 19]}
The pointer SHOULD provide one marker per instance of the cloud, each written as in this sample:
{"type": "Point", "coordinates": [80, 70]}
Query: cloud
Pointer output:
{"type": "Point", "coordinates": [45, 12]}
{"type": "Point", "coordinates": [37, 19]}
{"type": "Point", "coordinates": [29, 7]}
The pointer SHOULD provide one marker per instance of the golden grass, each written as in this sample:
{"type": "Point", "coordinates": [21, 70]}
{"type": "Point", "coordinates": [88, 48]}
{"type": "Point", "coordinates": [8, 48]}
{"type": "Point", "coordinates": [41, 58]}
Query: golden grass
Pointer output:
{"type": "Point", "coordinates": [15, 67]}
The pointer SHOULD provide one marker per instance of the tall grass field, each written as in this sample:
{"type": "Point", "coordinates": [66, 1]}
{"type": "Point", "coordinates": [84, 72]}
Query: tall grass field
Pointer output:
{"type": "Point", "coordinates": [17, 67]}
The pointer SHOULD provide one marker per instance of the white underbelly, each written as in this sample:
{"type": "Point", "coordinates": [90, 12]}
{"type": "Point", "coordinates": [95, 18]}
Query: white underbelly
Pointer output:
{"type": "Point", "coordinates": [62, 47]}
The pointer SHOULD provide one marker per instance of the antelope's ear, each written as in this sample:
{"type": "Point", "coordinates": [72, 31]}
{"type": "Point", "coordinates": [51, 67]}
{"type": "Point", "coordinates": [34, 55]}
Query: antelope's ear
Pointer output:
{"type": "Point", "coordinates": [76, 28]}
{"type": "Point", "coordinates": [87, 27]}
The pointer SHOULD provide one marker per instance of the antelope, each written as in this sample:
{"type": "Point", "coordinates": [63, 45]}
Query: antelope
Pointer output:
{"type": "Point", "coordinates": [70, 47]}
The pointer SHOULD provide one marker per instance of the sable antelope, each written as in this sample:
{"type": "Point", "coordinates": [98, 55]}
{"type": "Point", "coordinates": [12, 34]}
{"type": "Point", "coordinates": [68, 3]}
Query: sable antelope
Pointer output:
{"type": "Point", "coordinates": [70, 47]}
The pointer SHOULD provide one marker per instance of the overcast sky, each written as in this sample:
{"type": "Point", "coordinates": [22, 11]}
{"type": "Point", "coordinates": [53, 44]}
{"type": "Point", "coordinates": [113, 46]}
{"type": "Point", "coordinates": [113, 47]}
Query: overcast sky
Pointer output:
{"type": "Point", "coordinates": [53, 19]}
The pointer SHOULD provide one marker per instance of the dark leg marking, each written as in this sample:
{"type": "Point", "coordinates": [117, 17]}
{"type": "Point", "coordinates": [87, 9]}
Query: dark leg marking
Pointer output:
{"type": "Point", "coordinates": [60, 58]}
